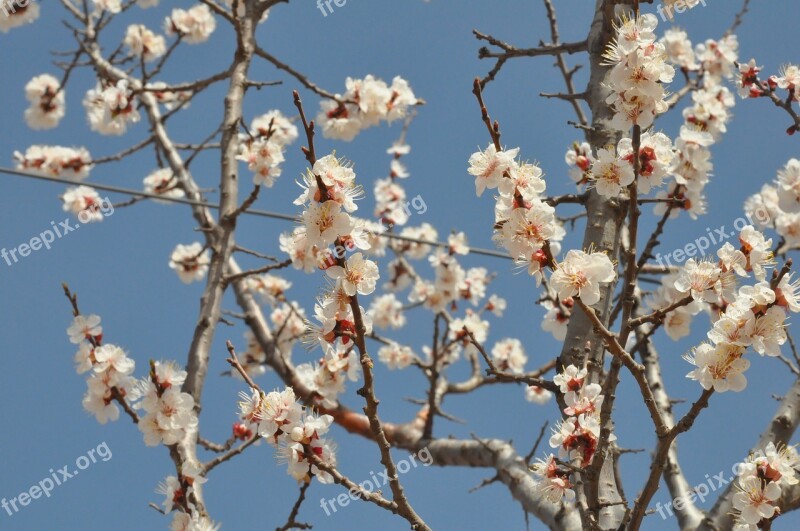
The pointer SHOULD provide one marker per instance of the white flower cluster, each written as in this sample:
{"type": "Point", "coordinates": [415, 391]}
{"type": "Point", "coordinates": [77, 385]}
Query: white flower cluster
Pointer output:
{"type": "Point", "coordinates": [509, 356]}
{"type": "Point", "coordinates": [575, 437]}
{"type": "Point", "coordinates": [396, 356]}
{"type": "Point", "coordinates": [759, 485]}
{"type": "Point", "coordinates": [339, 362]}
{"type": "Point", "coordinates": [55, 161]}
{"type": "Point", "coordinates": [190, 262]}
{"type": "Point", "coordinates": [789, 80]}
{"type": "Point", "coordinates": [638, 71]}
{"type": "Point", "coordinates": [705, 121]}
{"type": "Point", "coordinates": [327, 232]}
{"type": "Point", "coordinates": [750, 86]}
{"type": "Point", "coordinates": [170, 99]}
{"type": "Point", "coordinates": [390, 196]}
{"type": "Point", "coordinates": [451, 285]}
{"type": "Point", "coordinates": [20, 16]}
{"type": "Point", "coordinates": [47, 102]}
{"type": "Point", "coordinates": [365, 103]}
{"type": "Point", "coordinates": [613, 170]}
{"type": "Point", "coordinates": [112, 6]}
{"type": "Point", "coordinates": [580, 274]}
{"type": "Point", "coordinates": [326, 219]}
{"type": "Point", "coordinates": [781, 203]}
{"type": "Point", "coordinates": [169, 412]}
{"type": "Point", "coordinates": [84, 202]}
{"type": "Point", "coordinates": [194, 25]}
{"type": "Point", "coordinates": [264, 147]}
{"type": "Point", "coordinates": [279, 419]}
{"type": "Point", "coordinates": [528, 226]}
{"type": "Point", "coordinates": [537, 395]}
{"type": "Point", "coordinates": [177, 492]}
{"type": "Point", "coordinates": [387, 312]}
{"type": "Point", "coordinates": [717, 58]}
{"type": "Point", "coordinates": [744, 316]}
{"type": "Point", "coordinates": [109, 367]}
{"type": "Point", "coordinates": [164, 183]}
{"type": "Point", "coordinates": [111, 108]}
{"type": "Point", "coordinates": [144, 43]}
{"type": "Point", "coordinates": [553, 480]}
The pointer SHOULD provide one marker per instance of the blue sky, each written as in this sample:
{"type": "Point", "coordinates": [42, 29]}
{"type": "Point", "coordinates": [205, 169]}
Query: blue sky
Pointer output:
{"type": "Point", "coordinates": [119, 267]}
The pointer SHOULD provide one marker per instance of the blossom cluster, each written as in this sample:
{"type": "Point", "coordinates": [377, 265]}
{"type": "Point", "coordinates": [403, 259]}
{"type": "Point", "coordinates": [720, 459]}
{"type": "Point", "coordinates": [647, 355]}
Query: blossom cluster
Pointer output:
{"type": "Point", "coordinates": [576, 436]}
{"type": "Point", "coordinates": [144, 43]}
{"type": "Point", "coordinates": [705, 121]}
{"type": "Point", "coordinates": [637, 74]}
{"type": "Point", "coordinates": [85, 203]}
{"type": "Point", "coordinates": [109, 368]}
{"type": "Point", "coordinates": [111, 107]}
{"type": "Point", "coordinates": [112, 6]}
{"type": "Point", "coordinates": [168, 412]}
{"type": "Point", "coordinates": [781, 201]}
{"type": "Point", "coordinates": [177, 492]}
{"type": "Point", "coordinates": [194, 25]}
{"type": "Point", "coordinates": [750, 85]}
{"type": "Point", "coordinates": [47, 102]}
{"type": "Point", "coordinates": [164, 183]}
{"type": "Point", "coordinates": [759, 484]}
{"type": "Point", "coordinates": [639, 66]}
{"type": "Point", "coordinates": [55, 161]}
{"type": "Point", "coordinates": [279, 419]}
{"type": "Point", "coordinates": [263, 148]}
{"type": "Point", "coordinates": [365, 103]}
{"type": "Point", "coordinates": [743, 315]}
{"type": "Point", "coordinates": [390, 196]}
{"type": "Point", "coordinates": [190, 262]}
{"type": "Point", "coordinates": [527, 226]}
{"type": "Point", "coordinates": [579, 274]}
{"type": "Point", "coordinates": [326, 231]}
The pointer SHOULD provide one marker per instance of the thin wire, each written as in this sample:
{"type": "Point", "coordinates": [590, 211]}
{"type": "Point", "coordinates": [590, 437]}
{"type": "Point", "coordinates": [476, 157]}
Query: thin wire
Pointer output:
{"type": "Point", "coordinates": [251, 212]}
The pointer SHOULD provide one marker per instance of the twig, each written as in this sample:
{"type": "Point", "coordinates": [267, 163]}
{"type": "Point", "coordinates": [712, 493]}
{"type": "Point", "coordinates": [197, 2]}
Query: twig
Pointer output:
{"type": "Point", "coordinates": [292, 523]}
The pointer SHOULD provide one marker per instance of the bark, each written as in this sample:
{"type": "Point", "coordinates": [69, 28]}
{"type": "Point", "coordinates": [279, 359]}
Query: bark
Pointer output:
{"type": "Point", "coordinates": [603, 230]}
